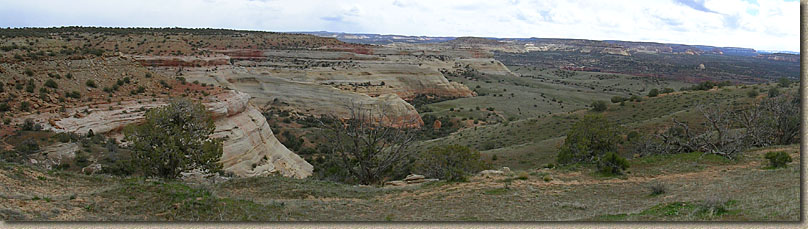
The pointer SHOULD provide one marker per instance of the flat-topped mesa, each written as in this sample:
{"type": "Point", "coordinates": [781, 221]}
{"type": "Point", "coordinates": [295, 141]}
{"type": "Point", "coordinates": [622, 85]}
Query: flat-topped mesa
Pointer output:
{"type": "Point", "coordinates": [249, 149]}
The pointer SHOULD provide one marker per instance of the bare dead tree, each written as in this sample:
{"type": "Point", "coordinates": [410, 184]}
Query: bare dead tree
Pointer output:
{"type": "Point", "coordinates": [720, 139]}
{"type": "Point", "coordinates": [751, 118]}
{"type": "Point", "coordinates": [370, 143]}
{"type": "Point", "coordinates": [730, 131]}
{"type": "Point", "coordinates": [784, 118]}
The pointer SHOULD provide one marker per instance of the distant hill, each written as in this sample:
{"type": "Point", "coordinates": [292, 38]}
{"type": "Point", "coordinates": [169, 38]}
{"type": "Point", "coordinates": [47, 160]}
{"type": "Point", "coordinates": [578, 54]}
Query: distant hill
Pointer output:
{"type": "Point", "coordinates": [378, 39]}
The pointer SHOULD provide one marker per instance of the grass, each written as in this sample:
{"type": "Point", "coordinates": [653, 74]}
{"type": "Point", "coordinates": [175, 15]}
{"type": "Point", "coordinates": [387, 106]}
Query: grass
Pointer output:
{"type": "Point", "coordinates": [675, 163]}
{"type": "Point", "coordinates": [496, 191]}
{"type": "Point", "coordinates": [678, 211]}
{"type": "Point", "coordinates": [178, 201]}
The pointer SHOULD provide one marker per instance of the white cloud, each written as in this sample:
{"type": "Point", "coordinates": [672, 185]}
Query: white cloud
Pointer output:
{"type": "Point", "coordinates": [773, 25]}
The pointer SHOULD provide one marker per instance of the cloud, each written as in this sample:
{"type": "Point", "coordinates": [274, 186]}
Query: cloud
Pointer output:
{"type": "Point", "coordinates": [696, 5]}
{"type": "Point", "coordinates": [760, 24]}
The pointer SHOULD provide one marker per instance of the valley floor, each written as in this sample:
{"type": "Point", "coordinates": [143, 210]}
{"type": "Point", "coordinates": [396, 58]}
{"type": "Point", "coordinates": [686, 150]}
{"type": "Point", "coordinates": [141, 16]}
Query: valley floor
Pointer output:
{"type": "Point", "coordinates": [747, 190]}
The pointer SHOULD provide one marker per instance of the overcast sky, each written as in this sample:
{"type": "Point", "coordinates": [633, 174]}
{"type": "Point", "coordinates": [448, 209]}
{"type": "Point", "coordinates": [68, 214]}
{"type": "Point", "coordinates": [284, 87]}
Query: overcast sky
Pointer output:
{"type": "Point", "coordinates": [758, 24]}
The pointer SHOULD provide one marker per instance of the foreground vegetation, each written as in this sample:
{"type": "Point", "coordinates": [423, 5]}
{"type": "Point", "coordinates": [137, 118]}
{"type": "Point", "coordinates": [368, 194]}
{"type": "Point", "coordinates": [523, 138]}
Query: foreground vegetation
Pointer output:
{"type": "Point", "coordinates": [696, 188]}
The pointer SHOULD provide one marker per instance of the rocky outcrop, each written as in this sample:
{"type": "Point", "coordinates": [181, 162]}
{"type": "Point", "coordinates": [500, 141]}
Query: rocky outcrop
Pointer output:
{"type": "Point", "coordinates": [317, 99]}
{"type": "Point", "coordinates": [250, 147]}
{"type": "Point", "coordinates": [411, 179]}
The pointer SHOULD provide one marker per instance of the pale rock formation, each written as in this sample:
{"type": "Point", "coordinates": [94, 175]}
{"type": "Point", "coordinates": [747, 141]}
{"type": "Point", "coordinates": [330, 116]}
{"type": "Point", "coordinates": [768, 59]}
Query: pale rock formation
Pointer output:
{"type": "Point", "coordinates": [250, 148]}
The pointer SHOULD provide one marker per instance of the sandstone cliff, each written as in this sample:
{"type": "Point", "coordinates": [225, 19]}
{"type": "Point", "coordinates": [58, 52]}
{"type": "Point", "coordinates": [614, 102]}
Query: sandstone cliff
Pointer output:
{"type": "Point", "coordinates": [250, 147]}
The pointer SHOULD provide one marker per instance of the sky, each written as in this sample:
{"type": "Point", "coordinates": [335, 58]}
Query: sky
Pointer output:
{"type": "Point", "coordinates": [758, 24]}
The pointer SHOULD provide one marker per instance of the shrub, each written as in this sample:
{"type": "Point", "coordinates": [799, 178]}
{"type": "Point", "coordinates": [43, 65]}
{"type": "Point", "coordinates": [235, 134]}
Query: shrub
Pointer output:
{"type": "Point", "coordinates": [618, 99]}
{"type": "Point", "coordinates": [653, 92]}
{"type": "Point", "coordinates": [69, 76]}
{"type": "Point", "coordinates": [73, 94]}
{"type": "Point", "coordinates": [714, 205]}
{"type": "Point", "coordinates": [667, 90]}
{"type": "Point", "coordinates": [752, 93]}
{"type": "Point", "coordinates": [25, 106]}
{"type": "Point", "coordinates": [27, 146]}
{"type": "Point", "coordinates": [51, 84]}
{"type": "Point", "coordinates": [783, 82]}
{"type": "Point", "coordinates": [598, 106]}
{"type": "Point", "coordinates": [778, 159]}
{"type": "Point", "coordinates": [29, 87]}
{"type": "Point", "coordinates": [774, 92]}
{"type": "Point", "coordinates": [91, 83]}
{"type": "Point", "coordinates": [522, 176]}
{"type": "Point", "coordinates": [173, 139]}
{"type": "Point", "coordinates": [28, 72]}
{"type": "Point", "coordinates": [82, 160]}
{"type": "Point", "coordinates": [450, 162]}
{"type": "Point", "coordinates": [588, 139]}
{"type": "Point", "coordinates": [4, 107]}
{"type": "Point", "coordinates": [612, 164]}
{"type": "Point", "coordinates": [633, 135]}
{"type": "Point", "coordinates": [28, 125]}
{"type": "Point", "coordinates": [657, 189]}
{"type": "Point", "coordinates": [291, 141]}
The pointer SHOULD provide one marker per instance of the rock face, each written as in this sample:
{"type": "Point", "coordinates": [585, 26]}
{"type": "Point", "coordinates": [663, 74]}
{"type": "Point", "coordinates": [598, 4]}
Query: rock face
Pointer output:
{"type": "Point", "coordinates": [311, 98]}
{"type": "Point", "coordinates": [250, 148]}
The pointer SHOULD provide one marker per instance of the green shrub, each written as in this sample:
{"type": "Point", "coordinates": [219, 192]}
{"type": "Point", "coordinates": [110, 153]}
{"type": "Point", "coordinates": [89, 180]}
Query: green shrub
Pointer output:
{"type": "Point", "coordinates": [612, 164]}
{"type": "Point", "coordinates": [653, 92]}
{"type": "Point", "coordinates": [29, 87]}
{"type": "Point", "coordinates": [27, 146]}
{"type": "Point", "coordinates": [783, 82]}
{"type": "Point", "coordinates": [778, 159]}
{"type": "Point", "coordinates": [752, 93]}
{"type": "Point", "coordinates": [588, 139]}
{"type": "Point", "coordinates": [28, 72]}
{"type": "Point", "coordinates": [51, 84]}
{"type": "Point", "coordinates": [618, 99]}
{"type": "Point", "coordinates": [450, 162]}
{"type": "Point", "coordinates": [657, 189]}
{"type": "Point", "coordinates": [774, 92]}
{"type": "Point", "coordinates": [291, 141]}
{"type": "Point", "coordinates": [90, 83]}
{"type": "Point", "coordinates": [598, 106]}
{"type": "Point", "coordinates": [523, 176]}
{"type": "Point", "coordinates": [667, 90]}
{"type": "Point", "coordinates": [633, 135]}
{"type": "Point", "coordinates": [173, 139]}
{"type": "Point", "coordinates": [4, 107]}
{"type": "Point", "coordinates": [82, 160]}
{"type": "Point", "coordinates": [73, 94]}
{"type": "Point", "coordinates": [25, 106]}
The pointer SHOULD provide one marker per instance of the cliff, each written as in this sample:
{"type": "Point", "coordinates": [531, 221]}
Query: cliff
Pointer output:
{"type": "Point", "coordinates": [250, 147]}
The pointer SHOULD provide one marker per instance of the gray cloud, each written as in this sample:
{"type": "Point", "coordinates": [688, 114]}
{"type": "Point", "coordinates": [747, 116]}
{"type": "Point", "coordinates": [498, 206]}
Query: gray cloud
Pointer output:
{"type": "Point", "coordinates": [696, 5]}
{"type": "Point", "coordinates": [707, 22]}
